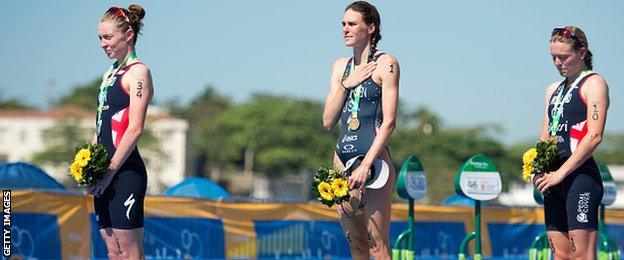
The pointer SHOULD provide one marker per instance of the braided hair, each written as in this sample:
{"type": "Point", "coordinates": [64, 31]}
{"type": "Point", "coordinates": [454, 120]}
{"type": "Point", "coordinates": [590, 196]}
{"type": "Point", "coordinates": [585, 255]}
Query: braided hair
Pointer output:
{"type": "Point", "coordinates": [370, 15]}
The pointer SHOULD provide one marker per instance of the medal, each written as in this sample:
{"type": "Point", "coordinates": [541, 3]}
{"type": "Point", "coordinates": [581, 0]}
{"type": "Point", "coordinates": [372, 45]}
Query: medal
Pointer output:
{"type": "Point", "coordinates": [354, 124]}
{"type": "Point", "coordinates": [108, 80]}
{"type": "Point", "coordinates": [560, 100]}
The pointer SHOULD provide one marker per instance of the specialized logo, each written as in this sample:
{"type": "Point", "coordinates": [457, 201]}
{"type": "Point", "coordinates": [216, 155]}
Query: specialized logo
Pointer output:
{"type": "Point", "coordinates": [128, 203]}
{"type": "Point", "coordinates": [583, 207]}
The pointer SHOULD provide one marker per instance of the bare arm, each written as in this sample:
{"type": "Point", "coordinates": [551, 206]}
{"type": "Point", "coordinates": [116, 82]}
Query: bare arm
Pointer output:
{"type": "Point", "coordinates": [545, 132]}
{"type": "Point", "coordinates": [389, 73]}
{"type": "Point", "coordinates": [336, 95]}
{"type": "Point", "coordinates": [139, 81]}
{"type": "Point", "coordinates": [596, 94]}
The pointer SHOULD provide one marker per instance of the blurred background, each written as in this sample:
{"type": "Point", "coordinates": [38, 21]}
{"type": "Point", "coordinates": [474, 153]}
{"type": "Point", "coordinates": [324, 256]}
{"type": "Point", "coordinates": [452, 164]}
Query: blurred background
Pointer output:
{"type": "Point", "coordinates": [239, 86]}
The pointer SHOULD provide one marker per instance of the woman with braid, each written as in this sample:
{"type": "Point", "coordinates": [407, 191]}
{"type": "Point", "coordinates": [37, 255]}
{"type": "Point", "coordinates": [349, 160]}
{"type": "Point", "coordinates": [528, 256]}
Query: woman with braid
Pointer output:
{"type": "Point", "coordinates": [363, 94]}
{"type": "Point", "coordinates": [125, 93]}
{"type": "Point", "coordinates": [575, 115]}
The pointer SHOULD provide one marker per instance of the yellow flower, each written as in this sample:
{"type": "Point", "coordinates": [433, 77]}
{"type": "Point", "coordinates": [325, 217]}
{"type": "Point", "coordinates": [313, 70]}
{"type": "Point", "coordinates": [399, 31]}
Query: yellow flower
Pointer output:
{"type": "Point", "coordinates": [325, 190]}
{"type": "Point", "coordinates": [82, 157]}
{"type": "Point", "coordinates": [340, 187]}
{"type": "Point", "coordinates": [76, 171]}
{"type": "Point", "coordinates": [527, 169]}
{"type": "Point", "coordinates": [529, 156]}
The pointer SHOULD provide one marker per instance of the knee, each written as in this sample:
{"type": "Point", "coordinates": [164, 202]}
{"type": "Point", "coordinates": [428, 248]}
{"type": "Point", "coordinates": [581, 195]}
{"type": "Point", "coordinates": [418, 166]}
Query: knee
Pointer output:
{"type": "Point", "coordinates": [358, 245]}
{"type": "Point", "coordinates": [379, 247]}
{"type": "Point", "coordinates": [131, 251]}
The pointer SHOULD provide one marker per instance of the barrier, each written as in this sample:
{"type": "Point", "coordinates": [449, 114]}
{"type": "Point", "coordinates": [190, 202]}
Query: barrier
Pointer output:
{"type": "Point", "coordinates": [50, 225]}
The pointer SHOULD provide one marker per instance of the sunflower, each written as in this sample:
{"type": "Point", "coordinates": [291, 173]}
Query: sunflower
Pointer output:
{"type": "Point", "coordinates": [340, 187]}
{"type": "Point", "coordinates": [76, 171]}
{"type": "Point", "coordinates": [529, 156]}
{"type": "Point", "coordinates": [82, 157]}
{"type": "Point", "coordinates": [527, 169]}
{"type": "Point", "coordinates": [325, 190]}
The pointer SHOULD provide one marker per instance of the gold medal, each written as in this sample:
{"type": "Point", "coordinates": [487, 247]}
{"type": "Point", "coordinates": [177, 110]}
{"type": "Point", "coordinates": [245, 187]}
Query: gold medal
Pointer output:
{"type": "Point", "coordinates": [354, 124]}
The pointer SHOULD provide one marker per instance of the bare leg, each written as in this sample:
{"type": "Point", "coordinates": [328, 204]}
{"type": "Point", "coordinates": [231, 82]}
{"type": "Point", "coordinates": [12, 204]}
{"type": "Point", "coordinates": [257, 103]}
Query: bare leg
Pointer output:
{"type": "Point", "coordinates": [123, 243]}
{"type": "Point", "coordinates": [559, 245]}
{"type": "Point", "coordinates": [583, 243]}
{"type": "Point", "coordinates": [378, 211]}
{"type": "Point", "coordinates": [112, 246]}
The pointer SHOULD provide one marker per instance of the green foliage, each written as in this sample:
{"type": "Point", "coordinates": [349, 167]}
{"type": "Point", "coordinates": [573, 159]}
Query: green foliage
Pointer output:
{"type": "Point", "coordinates": [12, 103]}
{"type": "Point", "coordinates": [97, 166]}
{"type": "Point", "coordinates": [84, 96]}
{"type": "Point", "coordinates": [610, 150]}
{"type": "Point", "coordinates": [327, 174]}
{"type": "Point", "coordinates": [61, 140]}
{"type": "Point", "coordinates": [201, 114]}
{"type": "Point", "coordinates": [443, 150]}
{"type": "Point", "coordinates": [547, 156]}
{"type": "Point", "coordinates": [284, 134]}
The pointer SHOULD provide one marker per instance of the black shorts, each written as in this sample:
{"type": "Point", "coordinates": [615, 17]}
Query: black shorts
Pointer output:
{"type": "Point", "coordinates": [121, 205]}
{"type": "Point", "coordinates": [573, 204]}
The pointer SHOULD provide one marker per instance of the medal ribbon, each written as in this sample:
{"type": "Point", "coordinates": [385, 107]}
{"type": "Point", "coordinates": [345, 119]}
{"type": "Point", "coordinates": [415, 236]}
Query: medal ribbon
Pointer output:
{"type": "Point", "coordinates": [107, 81]}
{"type": "Point", "coordinates": [560, 100]}
{"type": "Point", "coordinates": [355, 97]}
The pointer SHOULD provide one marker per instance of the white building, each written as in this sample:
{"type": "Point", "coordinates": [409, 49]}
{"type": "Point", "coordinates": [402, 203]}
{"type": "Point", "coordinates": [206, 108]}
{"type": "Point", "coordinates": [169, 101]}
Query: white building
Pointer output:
{"type": "Point", "coordinates": [21, 136]}
{"type": "Point", "coordinates": [522, 194]}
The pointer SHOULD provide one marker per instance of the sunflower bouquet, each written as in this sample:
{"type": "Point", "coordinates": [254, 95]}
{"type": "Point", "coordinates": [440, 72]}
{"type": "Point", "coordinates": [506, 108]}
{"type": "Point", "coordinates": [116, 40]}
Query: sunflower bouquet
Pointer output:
{"type": "Point", "coordinates": [90, 164]}
{"type": "Point", "coordinates": [330, 187]}
{"type": "Point", "coordinates": [539, 159]}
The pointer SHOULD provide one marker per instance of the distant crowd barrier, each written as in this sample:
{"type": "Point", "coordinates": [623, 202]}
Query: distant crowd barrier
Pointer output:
{"type": "Point", "coordinates": [51, 225]}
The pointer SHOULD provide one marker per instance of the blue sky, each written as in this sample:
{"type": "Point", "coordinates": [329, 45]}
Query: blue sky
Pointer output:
{"type": "Point", "coordinates": [471, 62]}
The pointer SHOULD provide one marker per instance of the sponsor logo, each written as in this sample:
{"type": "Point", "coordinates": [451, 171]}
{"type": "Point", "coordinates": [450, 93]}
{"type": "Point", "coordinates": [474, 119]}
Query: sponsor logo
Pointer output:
{"type": "Point", "coordinates": [128, 203]}
{"type": "Point", "coordinates": [480, 165]}
{"type": "Point", "coordinates": [349, 138]}
{"type": "Point", "coordinates": [349, 148]}
{"type": "Point", "coordinates": [583, 207]}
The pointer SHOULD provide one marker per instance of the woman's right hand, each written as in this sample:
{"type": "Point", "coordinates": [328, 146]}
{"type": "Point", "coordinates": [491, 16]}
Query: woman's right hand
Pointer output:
{"type": "Point", "coordinates": [359, 75]}
{"type": "Point", "coordinates": [536, 177]}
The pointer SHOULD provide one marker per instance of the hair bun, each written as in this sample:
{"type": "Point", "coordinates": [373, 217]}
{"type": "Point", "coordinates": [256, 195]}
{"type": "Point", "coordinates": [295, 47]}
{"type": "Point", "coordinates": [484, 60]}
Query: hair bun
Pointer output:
{"type": "Point", "coordinates": [136, 10]}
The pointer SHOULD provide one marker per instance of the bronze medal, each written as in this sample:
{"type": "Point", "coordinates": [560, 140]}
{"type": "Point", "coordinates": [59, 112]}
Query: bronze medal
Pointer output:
{"type": "Point", "coordinates": [354, 124]}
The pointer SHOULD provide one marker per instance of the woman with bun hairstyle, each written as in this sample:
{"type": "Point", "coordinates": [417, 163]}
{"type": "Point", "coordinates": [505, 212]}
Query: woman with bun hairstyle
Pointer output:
{"type": "Point", "coordinates": [125, 93]}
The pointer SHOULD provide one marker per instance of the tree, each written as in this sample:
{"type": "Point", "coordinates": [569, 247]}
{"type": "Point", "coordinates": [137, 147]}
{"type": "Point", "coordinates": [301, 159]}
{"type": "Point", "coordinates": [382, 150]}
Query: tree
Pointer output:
{"type": "Point", "coordinates": [84, 95]}
{"type": "Point", "coordinates": [61, 141]}
{"type": "Point", "coordinates": [442, 151]}
{"type": "Point", "coordinates": [201, 114]}
{"type": "Point", "coordinates": [283, 134]}
{"type": "Point", "coordinates": [12, 103]}
{"type": "Point", "coordinates": [610, 150]}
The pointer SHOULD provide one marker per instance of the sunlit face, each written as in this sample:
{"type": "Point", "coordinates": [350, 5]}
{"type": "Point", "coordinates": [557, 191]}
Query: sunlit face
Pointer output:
{"type": "Point", "coordinates": [114, 42]}
{"type": "Point", "coordinates": [569, 62]}
{"type": "Point", "coordinates": [355, 30]}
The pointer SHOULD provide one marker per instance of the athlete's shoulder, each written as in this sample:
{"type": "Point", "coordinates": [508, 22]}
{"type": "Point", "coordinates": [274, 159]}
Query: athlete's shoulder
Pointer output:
{"type": "Point", "coordinates": [340, 63]}
{"type": "Point", "coordinates": [596, 80]}
{"type": "Point", "coordinates": [552, 87]}
{"type": "Point", "coordinates": [139, 70]}
{"type": "Point", "coordinates": [387, 58]}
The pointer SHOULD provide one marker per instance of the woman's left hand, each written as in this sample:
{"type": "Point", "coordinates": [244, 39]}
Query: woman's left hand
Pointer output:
{"type": "Point", "coordinates": [542, 183]}
{"type": "Point", "coordinates": [358, 177]}
{"type": "Point", "coordinates": [100, 186]}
